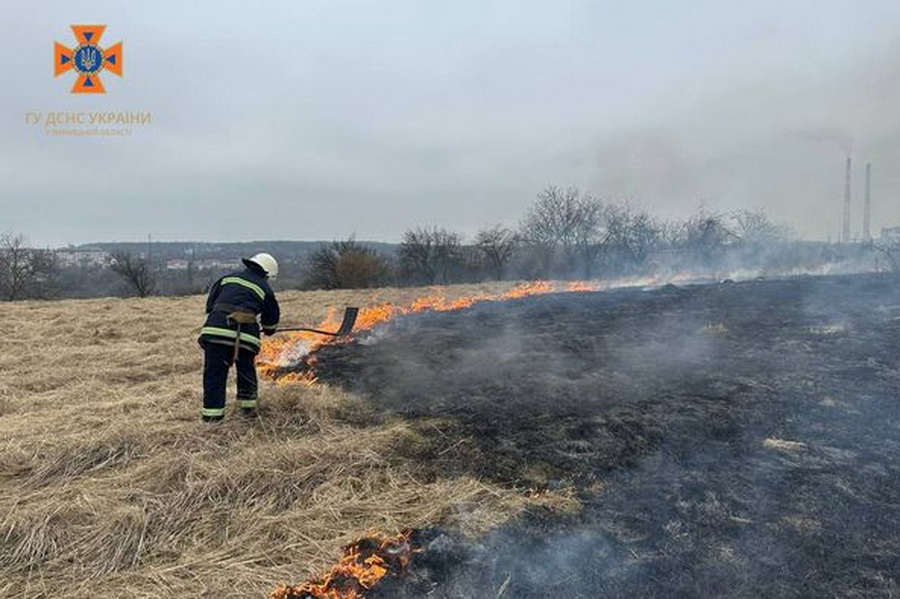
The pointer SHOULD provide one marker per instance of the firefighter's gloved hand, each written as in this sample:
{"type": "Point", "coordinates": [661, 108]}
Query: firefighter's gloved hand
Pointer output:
{"type": "Point", "coordinates": [269, 331]}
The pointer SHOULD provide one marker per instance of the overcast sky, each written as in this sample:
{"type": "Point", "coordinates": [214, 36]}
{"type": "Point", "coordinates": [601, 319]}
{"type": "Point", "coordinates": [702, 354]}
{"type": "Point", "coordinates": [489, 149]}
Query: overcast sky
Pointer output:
{"type": "Point", "coordinates": [320, 119]}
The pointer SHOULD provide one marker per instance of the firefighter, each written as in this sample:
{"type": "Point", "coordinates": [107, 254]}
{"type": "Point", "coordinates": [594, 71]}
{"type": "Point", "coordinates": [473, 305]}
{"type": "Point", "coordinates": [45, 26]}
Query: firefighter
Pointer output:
{"type": "Point", "coordinates": [237, 305]}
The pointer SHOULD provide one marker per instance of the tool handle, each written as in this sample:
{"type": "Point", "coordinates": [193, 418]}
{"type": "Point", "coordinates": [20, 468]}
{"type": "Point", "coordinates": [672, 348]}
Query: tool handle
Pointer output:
{"type": "Point", "coordinates": [286, 329]}
{"type": "Point", "coordinates": [347, 323]}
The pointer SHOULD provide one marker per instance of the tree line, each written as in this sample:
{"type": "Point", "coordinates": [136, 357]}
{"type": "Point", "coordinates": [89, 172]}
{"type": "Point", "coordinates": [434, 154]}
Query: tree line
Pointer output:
{"type": "Point", "coordinates": [566, 233]}
{"type": "Point", "coordinates": [27, 272]}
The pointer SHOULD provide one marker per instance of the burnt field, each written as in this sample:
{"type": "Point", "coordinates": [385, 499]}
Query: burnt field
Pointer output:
{"type": "Point", "coordinates": [731, 439]}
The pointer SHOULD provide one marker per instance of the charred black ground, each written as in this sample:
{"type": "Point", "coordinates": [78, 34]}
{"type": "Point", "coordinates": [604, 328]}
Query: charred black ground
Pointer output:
{"type": "Point", "coordinates": [735, 439]}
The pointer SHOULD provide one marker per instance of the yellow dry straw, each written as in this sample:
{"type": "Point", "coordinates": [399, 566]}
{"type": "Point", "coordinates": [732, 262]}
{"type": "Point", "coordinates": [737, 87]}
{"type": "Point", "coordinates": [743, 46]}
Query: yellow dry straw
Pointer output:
{"type": "Point", "coordinates": [111, 487]}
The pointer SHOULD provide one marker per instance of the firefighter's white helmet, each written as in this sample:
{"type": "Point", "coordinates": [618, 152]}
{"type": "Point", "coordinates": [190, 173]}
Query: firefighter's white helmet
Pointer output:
{"type": "Point", "coordinates": [266, 262]}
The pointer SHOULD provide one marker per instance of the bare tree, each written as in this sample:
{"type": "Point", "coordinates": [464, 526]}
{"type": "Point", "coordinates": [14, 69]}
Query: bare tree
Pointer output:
{"type": "Point", "coordinates": [347, 265]}
{"type": "Point", "coordinates": [448, 254]}
{"type": "Point", "coordinates": [497, 244]}
{"type": "Point", "coordinates": [322, 272]}
{"type": "Point", "coordinates": [136, 271]}
{"type": "Point", "coordinates": [430, 255]}
{"type": "Point", "coordinates": [588, 234]}
{"type": "Point", "coordinates": [753, 227]}
{"type": "Point", "coordinates": [568, 221]}
{"type": "Point", "coordinates": [891, 251]}
{"type": "Point", "coordinates": [631, 236]}
{"type": "Point", "coordinates": [705, 236]}
{"type": "Point", "coordinates": [21, 267]}
{"type": "Point", "coordinates": [671, 233]}
{"type": "Point", "coordinates": [417, 255]}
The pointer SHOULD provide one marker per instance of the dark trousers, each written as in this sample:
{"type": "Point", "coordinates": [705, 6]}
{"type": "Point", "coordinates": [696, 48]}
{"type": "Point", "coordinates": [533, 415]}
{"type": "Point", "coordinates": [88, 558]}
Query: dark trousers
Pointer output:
{"type": "Point", "coordinates": [218, 359]}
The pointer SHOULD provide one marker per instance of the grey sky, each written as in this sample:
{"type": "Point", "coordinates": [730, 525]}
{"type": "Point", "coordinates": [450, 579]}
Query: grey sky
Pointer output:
{"type": "Point", "coordinates": [316, 120]}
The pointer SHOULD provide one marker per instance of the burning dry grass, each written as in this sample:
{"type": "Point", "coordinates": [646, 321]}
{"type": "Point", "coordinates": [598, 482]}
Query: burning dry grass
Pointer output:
{"type": "Point", "coordinates": [111, 487]}
{"type": "Point", "coordinates": [289, 349]}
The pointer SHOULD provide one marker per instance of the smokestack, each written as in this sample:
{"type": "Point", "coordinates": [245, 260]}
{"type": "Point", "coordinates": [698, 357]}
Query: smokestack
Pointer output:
{"type": "Point", "coordinates": [867, 234]}
{"type": "Point", "coordinates": [845, 232]}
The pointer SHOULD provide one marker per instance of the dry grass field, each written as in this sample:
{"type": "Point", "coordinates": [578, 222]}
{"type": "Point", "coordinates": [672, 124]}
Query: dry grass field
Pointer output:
{"type": "Point", "coordinates": [110, 486]}
{"type": "Point", "coordinates": [724, 439]}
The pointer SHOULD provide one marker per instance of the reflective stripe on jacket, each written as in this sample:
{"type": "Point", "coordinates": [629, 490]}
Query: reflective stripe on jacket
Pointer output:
{"type": "Point", "coordinates": [245, 291]}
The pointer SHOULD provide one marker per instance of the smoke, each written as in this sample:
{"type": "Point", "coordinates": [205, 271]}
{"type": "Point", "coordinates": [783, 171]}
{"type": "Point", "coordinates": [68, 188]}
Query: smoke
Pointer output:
{"type": "Point", "coordinates": [776, 143]}
{"type": "Point", "coordinates": [827, 137]}
{"type": "Point", "coordinates": [511, 563]}
{"type": "Point", "coordinates": [723, 439]}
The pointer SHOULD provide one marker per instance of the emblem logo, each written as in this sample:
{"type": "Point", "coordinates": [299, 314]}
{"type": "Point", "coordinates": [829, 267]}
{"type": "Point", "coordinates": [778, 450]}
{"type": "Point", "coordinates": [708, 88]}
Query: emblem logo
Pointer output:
{"type": "Point", "coordinates": [87, 59]}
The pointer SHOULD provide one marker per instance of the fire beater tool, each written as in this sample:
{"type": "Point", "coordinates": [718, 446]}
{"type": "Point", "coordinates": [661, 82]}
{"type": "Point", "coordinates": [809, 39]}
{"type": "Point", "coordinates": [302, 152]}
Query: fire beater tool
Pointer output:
{"type": "Point", "coordinates": [347, 323]}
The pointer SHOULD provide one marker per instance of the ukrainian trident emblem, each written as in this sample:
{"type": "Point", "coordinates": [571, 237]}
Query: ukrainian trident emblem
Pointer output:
{"type": "Point", "coordinates": [87, 59]}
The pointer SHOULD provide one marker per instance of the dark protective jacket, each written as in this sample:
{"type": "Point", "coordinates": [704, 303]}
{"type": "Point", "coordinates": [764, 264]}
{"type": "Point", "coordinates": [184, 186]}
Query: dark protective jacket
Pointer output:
{"type": "Point", "coordinates": [244, 291]}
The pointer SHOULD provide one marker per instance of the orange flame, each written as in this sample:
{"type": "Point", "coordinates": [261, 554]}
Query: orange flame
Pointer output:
{"type": "Point", "coordinates": [289, 349]}
{"type": "Point", "coordinates": [582, 286]}
{"type": "Point", "coordinates": [365, 562]}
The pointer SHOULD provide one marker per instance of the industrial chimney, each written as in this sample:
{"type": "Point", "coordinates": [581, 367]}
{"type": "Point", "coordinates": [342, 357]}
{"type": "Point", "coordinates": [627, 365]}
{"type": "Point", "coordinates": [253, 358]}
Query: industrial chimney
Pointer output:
{"type": "Point", "coordinates": [845, 232]}
{"type": "Point", "coordinates": [867, 214]}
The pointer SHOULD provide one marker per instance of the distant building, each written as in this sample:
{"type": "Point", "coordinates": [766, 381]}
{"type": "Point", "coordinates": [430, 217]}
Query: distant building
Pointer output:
{"type": "Point", "coordinates": [206, 264]}
{"type": "Point", "coordinates": [177, 264]}
{"type": "Point", "coordinates": [216, 264]}
{"type": "Point", "coordinates": [83, 257]}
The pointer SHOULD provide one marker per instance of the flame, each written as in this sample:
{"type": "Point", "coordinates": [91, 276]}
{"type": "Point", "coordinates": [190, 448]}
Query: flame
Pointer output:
{"type": "Point", "coordinates": [365, 562]}
{"type": "Point", "coordinates": [289, 350]}
{"type": "Point", "coordinates": [526, 289]}
{"type": "Point", "coordinates": [582, 286]}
